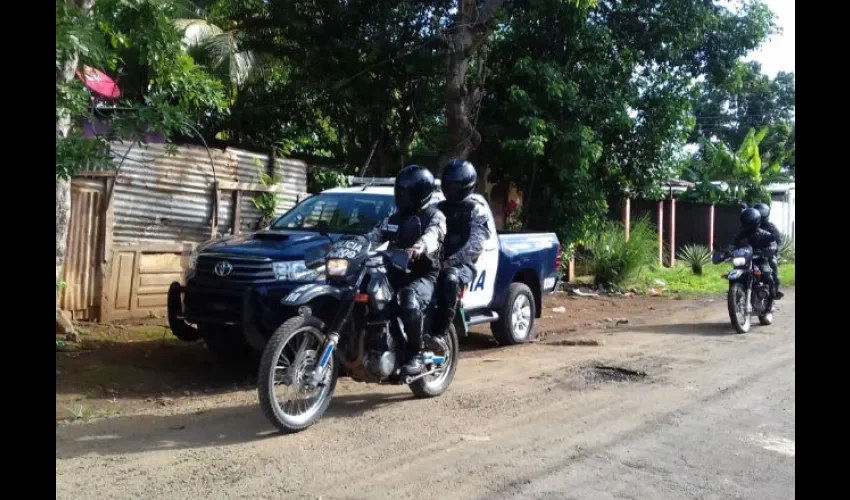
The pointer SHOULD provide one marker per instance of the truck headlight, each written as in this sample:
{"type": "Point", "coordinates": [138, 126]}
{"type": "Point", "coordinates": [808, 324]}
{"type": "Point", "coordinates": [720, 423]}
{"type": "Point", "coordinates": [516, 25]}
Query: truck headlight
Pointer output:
{"type": "Point", "coordinates": [739, 261]}
{"type": "Point", "coordinates": [337, 267]}
{"type": "Point", "coordinates": [192, 265]}
{"type": "Point", "coordinates": [296, 270]}
{"type": "Point", "coordinates": [193, 259]}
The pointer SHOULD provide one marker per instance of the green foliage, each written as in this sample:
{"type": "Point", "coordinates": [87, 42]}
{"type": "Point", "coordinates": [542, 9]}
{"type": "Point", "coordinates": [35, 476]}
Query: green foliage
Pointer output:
{"type": "Point", "coordinates": [748, 99]}
{"type": "Point", "coordinates": [162, 87]}
{"type": "Point", "coordinates": [572, 125]}
{"type": "Point", "coordinates": [743, 170]}
{"type": "Point", "coordinates": [615, 259]}
{"type": "Point", "coordinates": [514, 220]}
{"type": "Point", "coordinates": [319, 180]}
{"type": "Point", "coordinates": [265, 202]}
{"type": "Point", "coordinates": [788, 249]}
{"type": "Point", "coordinates": [348, 74]}
{"type": "Point", "coordinates": [696, 257]}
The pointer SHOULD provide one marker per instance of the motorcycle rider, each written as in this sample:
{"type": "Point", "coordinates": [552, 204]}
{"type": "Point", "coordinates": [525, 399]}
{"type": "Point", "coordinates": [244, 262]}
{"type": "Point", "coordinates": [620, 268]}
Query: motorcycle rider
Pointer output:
{"type": "Point", "coordinates": [756, 237]}
{"type": "Point", "coordinates": [420, 229]}
{"type": "Point", "coordinates": [770, 227]}
{"type": "Point", "coordinates": [467, 229]}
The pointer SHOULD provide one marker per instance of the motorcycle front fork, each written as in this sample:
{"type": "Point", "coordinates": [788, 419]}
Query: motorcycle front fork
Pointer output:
{"type": "Point", "coordinates": [317, 376]}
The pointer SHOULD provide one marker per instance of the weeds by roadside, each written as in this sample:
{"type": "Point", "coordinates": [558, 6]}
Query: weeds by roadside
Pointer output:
{"type": "Point", "coordinates": [681, 281]}
{"type": "Point", "coordinates": [615, 259]}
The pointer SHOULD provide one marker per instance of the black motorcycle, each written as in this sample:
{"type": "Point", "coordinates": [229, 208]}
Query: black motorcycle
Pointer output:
{"type": "Point", "coordinates": [749, 285]}
{"type": "Point", "coordinates": [352, 320]}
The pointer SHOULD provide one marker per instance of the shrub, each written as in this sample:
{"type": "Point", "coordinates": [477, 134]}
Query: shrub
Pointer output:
{"type": "Point", "coordinates": [787, 251]}
{"type": "Point", "coordinates": [696, 257]}
{"type": "Point", "coordinates": [615, 259]}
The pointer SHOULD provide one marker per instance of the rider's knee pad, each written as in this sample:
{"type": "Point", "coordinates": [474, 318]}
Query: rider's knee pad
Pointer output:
{"type": "Point", "coordinates": [408, 301]}
{"type": "Point", "coordinates": [449, 281]}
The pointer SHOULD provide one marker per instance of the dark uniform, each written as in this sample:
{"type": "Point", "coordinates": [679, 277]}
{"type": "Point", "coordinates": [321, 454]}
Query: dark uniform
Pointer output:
{"type": "Point", "coordinates": [771, 228]}
{"type": "Point", "coordinates": [467, 229]}
{"type": "Point", "coordinates": [421, 228]}
{"type": "Point", "coordinates": [751, 234]}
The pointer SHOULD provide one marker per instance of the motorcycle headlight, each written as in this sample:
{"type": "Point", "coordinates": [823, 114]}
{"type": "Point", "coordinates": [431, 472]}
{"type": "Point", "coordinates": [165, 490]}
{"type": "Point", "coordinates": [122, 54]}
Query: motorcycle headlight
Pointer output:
{"type": "Point", "coordinates": [296, 270]}
{"type": "Point", "coordinates": [337, 267]}
{"type": "Point", "coordinates": [739, 261]}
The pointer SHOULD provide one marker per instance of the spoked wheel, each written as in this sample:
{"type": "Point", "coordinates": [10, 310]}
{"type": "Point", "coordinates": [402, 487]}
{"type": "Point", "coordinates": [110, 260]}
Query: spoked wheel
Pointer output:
{"type": "Point", "coordinates": [287, 398]}
{"type": "Point", "coordinates": [737, 304]}
{"type": "Point", "coordinates": [438, 382]}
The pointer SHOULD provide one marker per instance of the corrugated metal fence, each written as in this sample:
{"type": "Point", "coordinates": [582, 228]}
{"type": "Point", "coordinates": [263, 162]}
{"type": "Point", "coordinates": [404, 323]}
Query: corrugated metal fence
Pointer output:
{"type": "Point", "coordinates": [130, 228]}
{"type": "Point", "coordinates": [165, 198]}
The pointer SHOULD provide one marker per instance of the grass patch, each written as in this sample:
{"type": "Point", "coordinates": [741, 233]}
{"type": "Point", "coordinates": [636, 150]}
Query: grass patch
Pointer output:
{"type": "Point", "coordinates": [681, 281]}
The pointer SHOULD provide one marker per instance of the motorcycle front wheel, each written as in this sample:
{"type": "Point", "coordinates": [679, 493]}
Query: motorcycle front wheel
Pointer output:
{"type": "Point", "coordinates": [292, 353]}
{"type": "Point", "coordinates": [738, 313]}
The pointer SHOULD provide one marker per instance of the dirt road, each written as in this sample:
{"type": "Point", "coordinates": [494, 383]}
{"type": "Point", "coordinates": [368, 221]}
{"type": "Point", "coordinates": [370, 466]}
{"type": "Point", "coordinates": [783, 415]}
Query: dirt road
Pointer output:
{"type": "Point", "coordinates": [703, 413]}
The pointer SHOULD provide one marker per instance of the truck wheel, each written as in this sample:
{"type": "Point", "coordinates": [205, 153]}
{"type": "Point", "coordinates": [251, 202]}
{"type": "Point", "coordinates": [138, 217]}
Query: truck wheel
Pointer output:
{"type": "Point", "coordinates": [228, 344]}
{"type": "Point", "coordinates": [516, 319]}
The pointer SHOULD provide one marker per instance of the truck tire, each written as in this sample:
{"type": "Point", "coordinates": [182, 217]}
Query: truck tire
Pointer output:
{"type": "Point", "coordinates": [516, 319]}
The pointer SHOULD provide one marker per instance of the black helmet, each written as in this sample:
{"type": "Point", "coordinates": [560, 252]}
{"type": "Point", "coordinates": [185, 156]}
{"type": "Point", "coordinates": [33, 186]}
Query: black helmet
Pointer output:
{"type": "Point", "coordinates": [750, 218]}
{"type": "Point", "coordinates": [764, 211]}
{"type": "Point", "coordinates": [413, 188]}
{"type": "Point", "coordinates": [459, 180]}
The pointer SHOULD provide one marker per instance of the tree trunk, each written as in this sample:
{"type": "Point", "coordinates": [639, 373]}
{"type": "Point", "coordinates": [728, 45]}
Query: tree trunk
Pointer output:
{"type": "Point", "coordinates": [63, 186]}
{"type": "Point", "coordinates": [471, 29]}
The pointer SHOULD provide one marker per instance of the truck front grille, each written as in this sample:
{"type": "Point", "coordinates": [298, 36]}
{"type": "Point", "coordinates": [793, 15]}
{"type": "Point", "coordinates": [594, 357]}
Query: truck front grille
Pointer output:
{"type": "Point", "coordinates": [236, 269]}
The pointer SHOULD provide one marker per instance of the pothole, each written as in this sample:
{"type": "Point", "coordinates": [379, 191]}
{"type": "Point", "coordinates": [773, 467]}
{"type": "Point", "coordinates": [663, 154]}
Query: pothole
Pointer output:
{"type": "Point", "coordinates": [607, 373]}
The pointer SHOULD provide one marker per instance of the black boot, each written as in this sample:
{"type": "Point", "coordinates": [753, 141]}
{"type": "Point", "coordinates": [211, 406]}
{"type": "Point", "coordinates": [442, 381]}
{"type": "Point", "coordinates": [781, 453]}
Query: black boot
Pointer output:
{"type": "Point", "coordinates": [414, 363]}
{"type": "Point", "coordinates": [779, 295]}
{"type": "Point", "coordinates": [415, 348]}
{"type": "Point", "coordinates": [437, 344]}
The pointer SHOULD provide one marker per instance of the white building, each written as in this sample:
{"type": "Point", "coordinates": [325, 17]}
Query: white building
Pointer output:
{"type": "Point", "coordinates": [783, 204]}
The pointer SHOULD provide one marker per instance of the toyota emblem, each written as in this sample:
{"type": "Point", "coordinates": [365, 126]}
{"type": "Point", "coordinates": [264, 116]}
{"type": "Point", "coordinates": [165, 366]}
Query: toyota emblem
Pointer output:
{"type": "Point", "coordinates": [223, 268]}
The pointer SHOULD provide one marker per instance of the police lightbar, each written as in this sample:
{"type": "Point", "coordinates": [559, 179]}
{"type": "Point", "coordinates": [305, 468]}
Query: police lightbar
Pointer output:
{"type": "Point", "coordinates": [376, 181]}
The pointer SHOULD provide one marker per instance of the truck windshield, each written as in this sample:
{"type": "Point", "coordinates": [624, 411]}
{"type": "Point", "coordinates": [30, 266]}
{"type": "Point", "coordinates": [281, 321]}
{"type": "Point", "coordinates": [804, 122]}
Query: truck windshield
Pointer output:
{"type": "Point", "coordinates": [338, 213]}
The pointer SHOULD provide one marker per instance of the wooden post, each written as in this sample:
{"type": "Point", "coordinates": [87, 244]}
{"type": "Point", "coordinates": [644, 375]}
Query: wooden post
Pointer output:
{"type": "Point", "coordinates": [661, 233]}
{"type": "Point", "coordinates": [627, 216]}
{"type": "Point", "coordinates": [215, 205]}
{"type": "Point", "coordinates": [237, 212]}
{"type": "Point", "coordinates": [672, 231]}
{"type": "Point", "coordinates": [571, 270]}
{"type": "Point", "coordinates": [711, 227]}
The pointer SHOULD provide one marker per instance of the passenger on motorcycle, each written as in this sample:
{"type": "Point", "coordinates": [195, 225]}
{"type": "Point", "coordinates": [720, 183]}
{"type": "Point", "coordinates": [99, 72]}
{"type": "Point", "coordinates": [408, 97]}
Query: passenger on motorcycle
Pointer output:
{"type": "Point", "coordinates": [759, 239]}
{"type": "Point", "coordinates": [467, 229]}
{"type": "Point", "coordinates": [420, 229]}
{"type": "Point", "coordinates": [770, 227]}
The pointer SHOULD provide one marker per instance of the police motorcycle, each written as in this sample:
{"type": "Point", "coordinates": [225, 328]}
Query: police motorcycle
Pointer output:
{"type": "Point", "coordinates": [749, 285]}
{"type": "Point", "coordinates": [349, 325]}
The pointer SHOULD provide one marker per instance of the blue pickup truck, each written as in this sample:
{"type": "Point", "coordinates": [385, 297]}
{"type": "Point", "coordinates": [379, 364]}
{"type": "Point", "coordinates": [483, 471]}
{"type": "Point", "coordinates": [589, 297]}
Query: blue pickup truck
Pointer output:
{"type": "Point", "coordinates": [234, 286]}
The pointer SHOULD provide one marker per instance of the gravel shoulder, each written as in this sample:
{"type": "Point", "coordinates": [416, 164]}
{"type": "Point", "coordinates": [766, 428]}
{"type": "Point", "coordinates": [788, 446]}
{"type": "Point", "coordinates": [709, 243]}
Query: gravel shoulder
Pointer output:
{"type": "Point", "coordinates": [552, 419]}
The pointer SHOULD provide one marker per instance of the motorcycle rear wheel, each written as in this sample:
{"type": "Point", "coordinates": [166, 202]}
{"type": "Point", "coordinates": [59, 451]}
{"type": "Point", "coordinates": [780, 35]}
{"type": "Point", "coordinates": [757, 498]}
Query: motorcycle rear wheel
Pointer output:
{"type": "Point", "coordinates": [300, 338]}
{"type": "Point", "coordinates": [434, 385]}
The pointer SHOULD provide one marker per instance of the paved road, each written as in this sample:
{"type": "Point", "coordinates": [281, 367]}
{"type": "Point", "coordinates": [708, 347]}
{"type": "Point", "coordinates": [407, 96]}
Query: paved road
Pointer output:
{"type": "Point", "coordinates": [713, 418]}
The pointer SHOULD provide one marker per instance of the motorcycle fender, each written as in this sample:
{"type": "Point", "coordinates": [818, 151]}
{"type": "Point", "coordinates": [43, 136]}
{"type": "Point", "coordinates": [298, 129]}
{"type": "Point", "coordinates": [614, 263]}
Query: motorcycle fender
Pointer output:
{"type": "Point", "coordinates": [306, 293]}
{"type": "Point", "coordinates": [735, 274]}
